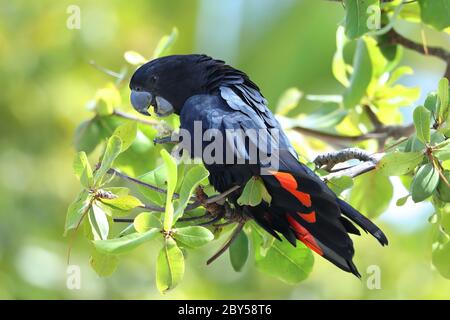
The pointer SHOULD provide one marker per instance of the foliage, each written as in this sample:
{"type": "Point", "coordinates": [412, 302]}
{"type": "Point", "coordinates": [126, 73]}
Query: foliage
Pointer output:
{"type": "Point", "coordinates": [371, 99]}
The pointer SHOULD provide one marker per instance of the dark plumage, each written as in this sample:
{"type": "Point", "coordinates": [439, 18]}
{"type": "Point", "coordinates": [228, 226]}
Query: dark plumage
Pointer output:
{"type": "Point", "coordinates": [202, 89]}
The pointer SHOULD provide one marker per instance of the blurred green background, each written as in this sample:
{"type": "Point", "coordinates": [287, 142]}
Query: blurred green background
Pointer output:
{"type": "Point", "coordinates": [46, 81]}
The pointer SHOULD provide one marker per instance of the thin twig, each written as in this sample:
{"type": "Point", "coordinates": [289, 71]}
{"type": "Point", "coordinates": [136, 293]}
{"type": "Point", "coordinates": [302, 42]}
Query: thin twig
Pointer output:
{"type": "Point", "coordinates": [197, 203]}
{"type": "Point", "coordinates": [382, 133]}
{"type": "Point", "coordinates": [213, 220]}
{"type": "Point", "coordinates": [396, 38]}
{"type": "Point", "coordinates": [227, 244]}
{"type": "Point", "coordinates": [124, 220]}
{"type": "Point", "coordinates": [105, 70]}
{"type": "Point", "coordinates": [223, 195]}
{"type": "Point", "coordinates": [128, 116]}
{"type": "Point", "coordinates": [149, 207]}
{"type": "Point", "coordinates": [220, 225]}
{"type": "Point", "coordinates": [193, 205]}
{"type": "Point", "coordinates": [139, 182]}
{"type": "Point", "coordinates": [186, 219]}
{"type": "Point", "coordinates": [173, 138]}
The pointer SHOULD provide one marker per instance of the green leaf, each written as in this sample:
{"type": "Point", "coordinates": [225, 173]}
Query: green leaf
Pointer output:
{"type": "Point", "coordinates": [77, 210]}
{"type": "Point", "coordinates": [113, 148]}
{"type": "Point", "coordinates": [424, 183]}
{"type": "Point", "coordinates": [171, 166]}
{"type": "Point", "coordinates": [357, 15]}
{"type": "Point", "coordinates": [442, 153]}
{"type": "Point", "coordinates": [99, 222]}
{"type": "Point", "coordinates": [441, 259]}
{"type": "Point", "coordinates": [239, 251]}
{"type": "Point", "coordinates": [169, 266]}
{"type": "Point", "coordinates": [146, 221]}
{"type": "Point", "coordinates": [79, 163]}
{"type": "Point", "coordinates": [88, 135]}
{"type": "Point", "coordinates": [181, 172]}
{"type": "Point", "coordinates": [158, 178]}
{"type": "Point", "coordinates": [401, 201]}
{"type": "Point", "coordinates": [338, 185]}
{"type": "Point", "coordinates": [127, 133]}
{"type": "Point", "coordinates": [123, 203]}
{"type": "Point", "coordinates": [388, 100]}
{"type": "Point", "coordinates": [190, 182]}
{"type": "Point", "coordinates": [436, 13]}
{"type": "Point", "coordinates": [361, 76]}
{"type": "Point", "coordinates": [106, 99]}
{"type": "Point", "coordinates": [437, 138]}
{"type": "Point", "coordinates": [125, 244]}
{"type": "Point", "coordinates": [165, 44]}
{"type": "Point", "coordinates": [432, 104]}
{"type": "Point", "coordinates": [400, 163]}
{"type": "Point", "coordinates": [83, 170]}
{"type": "Point", "coordinates": [414, 144]}
{"type": "Point", "coordinates": [134, 58]}
{"type": "Point", "coordinates": [118, 191]}
{"type": "Point", "coordinates": [327, 116]}
{"type": "Point", "coordinates": [265, 194]}
{"type": "Point", "coordinates": [398, 73]}
{"type": "Point", "coordinates": [193, 237]}
{"type": "Point", "coordinates": [252, 193]}
{"type": "Point", "coordinates": [422, 120]}
{"type": "Point", "coordinates": [288, 101]}
{"type": "Point", "coordinates": [371, 194]}
{"type": "Point", "coordinates": [443, 98]}
{"type": "Point", "coordinates": [443, 191]}
{"type": "Point", "coordinates": [409, 12]}
{"type": "Point", "coordinates": [339, 67]}
{"type": "Point", "coordinates": [103, 264]}
{"type": "Point", "coordinates": [282, 260]}
{"type": "Point", "coordinates": [445, 218]}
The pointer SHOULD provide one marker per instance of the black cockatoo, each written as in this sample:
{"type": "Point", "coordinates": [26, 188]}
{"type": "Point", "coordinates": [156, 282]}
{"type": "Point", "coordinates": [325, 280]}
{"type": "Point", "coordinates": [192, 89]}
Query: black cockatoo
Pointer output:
{"type": "Point", "coordinates": [203, 90]}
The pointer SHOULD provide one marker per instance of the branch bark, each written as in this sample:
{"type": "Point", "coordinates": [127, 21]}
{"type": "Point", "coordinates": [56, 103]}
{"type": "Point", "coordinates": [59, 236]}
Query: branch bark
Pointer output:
{"type": "Point", "coordinates": [396, 38]}
{"type": "Point", "coordinates": [383, 132]}
{"type": "Point", "coordinates": [329, 160]}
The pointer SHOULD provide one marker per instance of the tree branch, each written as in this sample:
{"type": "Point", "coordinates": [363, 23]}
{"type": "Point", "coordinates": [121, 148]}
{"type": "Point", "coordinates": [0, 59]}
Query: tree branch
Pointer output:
{"type": "Point", "coordinates": [352, 172]}
{"type": "Point", "coordinates": [207, 202]}
{"type": "Point", "coordinates": [139, 182]}
{"type": "Point", "coordinates": [128, 116]}
{"type": "Point", "coordinates": [396, 38]}
{"type": "Point", "coordinates": [227, 244]}
{"type": "Point", "coordinates": [383, 132]}
{"type": "Point", "coordinates": [329, 160]}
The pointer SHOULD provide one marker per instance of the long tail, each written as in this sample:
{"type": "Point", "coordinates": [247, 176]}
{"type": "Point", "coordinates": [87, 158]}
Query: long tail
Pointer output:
{"type": "Point", "coordinates": [304, 208]}
{"type": "Point", "coordinates": [364, 223]}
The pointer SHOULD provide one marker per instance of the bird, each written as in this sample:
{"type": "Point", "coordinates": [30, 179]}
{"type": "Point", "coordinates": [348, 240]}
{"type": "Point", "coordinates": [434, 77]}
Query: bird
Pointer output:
{"type": "Point", "coordinates": [220, 98]}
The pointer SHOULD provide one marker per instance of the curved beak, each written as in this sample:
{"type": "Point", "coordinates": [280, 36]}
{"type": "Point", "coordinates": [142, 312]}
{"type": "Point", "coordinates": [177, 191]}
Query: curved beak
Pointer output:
{"type": "Point", "coordinates": [141, 101]}
{"type": "Point", "coordinates": [163, 107]}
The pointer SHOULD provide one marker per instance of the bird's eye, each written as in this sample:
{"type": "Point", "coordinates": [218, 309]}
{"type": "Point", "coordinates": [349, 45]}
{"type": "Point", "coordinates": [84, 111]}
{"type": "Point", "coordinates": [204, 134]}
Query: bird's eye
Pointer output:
{"type": "Point", "coordinates": [137, 89]}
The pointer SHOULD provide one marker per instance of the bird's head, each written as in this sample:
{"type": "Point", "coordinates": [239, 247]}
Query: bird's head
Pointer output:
{"type": "Point", "coordinates": [166, 83]}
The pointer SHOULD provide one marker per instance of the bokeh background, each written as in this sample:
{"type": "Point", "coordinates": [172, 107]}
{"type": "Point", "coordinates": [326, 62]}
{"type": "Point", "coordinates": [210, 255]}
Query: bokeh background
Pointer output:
{"type": "Point", "coordinates": [46, 81]}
